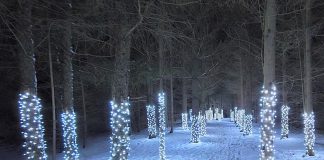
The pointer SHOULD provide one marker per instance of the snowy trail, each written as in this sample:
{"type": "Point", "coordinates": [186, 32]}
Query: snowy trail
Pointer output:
{"type": "Point", "coordinates": [222, 142]}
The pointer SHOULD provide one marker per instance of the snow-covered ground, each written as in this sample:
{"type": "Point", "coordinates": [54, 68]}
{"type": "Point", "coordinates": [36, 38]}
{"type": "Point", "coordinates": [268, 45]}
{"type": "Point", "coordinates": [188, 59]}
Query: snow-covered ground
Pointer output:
{"type": "Point", "coordinates": [222, 142]}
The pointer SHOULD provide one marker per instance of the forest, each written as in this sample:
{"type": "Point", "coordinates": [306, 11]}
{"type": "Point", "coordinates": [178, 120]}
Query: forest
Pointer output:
{"type": "Point", "coordinates": [162, 79]}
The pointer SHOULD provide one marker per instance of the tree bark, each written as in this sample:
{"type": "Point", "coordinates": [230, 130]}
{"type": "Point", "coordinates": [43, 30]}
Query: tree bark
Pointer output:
{"type": "Point", "coordinates": [171, 101]}
{"type": "Point", "coordinates": [184, 96]}
{"type": "Point", "coordinates": [284, 79]}
{"type": "Point", "coordinates": [85, 127]}
{"type": "Point", "coordinates": [26, 50]}
{"type": "Point", "coordinates": [269, 74]}
{"type": "Point", "coordinates": [308, 107]}
{"type": "Point", "coordinates": [308, 99]}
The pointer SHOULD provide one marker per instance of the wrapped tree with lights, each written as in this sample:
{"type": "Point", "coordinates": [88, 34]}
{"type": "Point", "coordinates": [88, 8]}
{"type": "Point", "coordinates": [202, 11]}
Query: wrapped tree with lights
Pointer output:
{"type": "Point", "coordinates": [31, 121]}
{"type": "Point", "coordinates": [151, 124]}
{"type": "Point", "coordinates": [309, 117]}
{"type": "Point", "coordinates": [235, 114]}
{"type": "Point", "coordinates": [195, 129]}
{"type": "Point", "coordinates": [70, 135]}
{"type": "Point", "coordinates": [284, 121]}
{"type": "Point", "coordinates": [268, 99]}
{"type": "Point", "coordinates": [162, 125]}
{"type": "Point", "coordinates": [184, 119]}
{"type": "Point", "coordinates": [247, 124]}
{"type": "Point", "coordinates": [202, 125]}
{"type": "Point", "coordinates": [232, 115]}
{"type": "Point", "coordinates": [30, 108]}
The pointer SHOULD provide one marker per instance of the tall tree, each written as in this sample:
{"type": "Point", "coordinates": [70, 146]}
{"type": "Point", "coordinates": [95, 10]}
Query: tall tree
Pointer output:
{"type": "Point", "coordinates": [308, 101]}
{"type": "Point", "coordinates": [30, 115]}
{"type": "Point", "coordinates": [267, 112]}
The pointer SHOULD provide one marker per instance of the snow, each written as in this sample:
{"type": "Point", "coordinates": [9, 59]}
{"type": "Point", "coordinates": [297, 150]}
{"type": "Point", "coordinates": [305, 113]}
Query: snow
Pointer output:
{"type": "Point", "coordinates": [223, 141]}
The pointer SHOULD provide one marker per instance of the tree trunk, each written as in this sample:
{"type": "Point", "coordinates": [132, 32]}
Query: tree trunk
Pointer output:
{"type": "Point", "coordinates": [171, 101]}
{"type": "Point", "coordinates": [308, 105]}
{"type": "Point", "coordinates": [184, 96]}
{"type": "Point", "coordinates": [284, 79]}
{"type": "Point", "coordinates": [267, 137]}
{"type": "Point", "coordinates": [242, 82]}
{"type": "Point", "coordinates": [120, 95]}
{"type": "Point", "coordinates": [53, 95]}
{"type": "Point", "coordinates": [85, 127]}
{"type": "Point", "coordinates": [26, 49]}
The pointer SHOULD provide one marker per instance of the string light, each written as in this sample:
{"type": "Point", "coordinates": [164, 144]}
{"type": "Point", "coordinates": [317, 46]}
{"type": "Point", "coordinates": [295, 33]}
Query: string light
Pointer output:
{"type": "Point", "coordinates": [202, 125]}
{"type": "Point", "coordinates": [190, 115]}
{"type": "Point", "coordinates": [284, 121]}
{"type": "Point", "coordinates": [268, 102]}
{"type": "Point", "coordinates": [216, 114]}
{"type": "Point", "coordinates": [70, 135]}
{"type": "Point", "coordinates": [151, 124]}
{"type": "Point", "coordinates": [222, 114]}
{"type": "Point", "coordinates": [184, 121]}
{"type": "Point", "coordinates": [232, 115]}
{"type": "Point", "coordinates": [309, 131]}
{"type": "Point", "coordinates": [209, 114]}
{"type": "Point", "coordinates": [248, 125]}
{"type": "Point", "coordinates": [195, 129]}
{"type": "Point", "coordinates": [241, 118]}
{"type": "Point", "coordinates": [162, 124]}
{"type": "Point", "coordinates": [235, 114]}
{"type": "Point", "coordinates": [119, 123]}
{"type": "Point", "coordinates": [31, 121]}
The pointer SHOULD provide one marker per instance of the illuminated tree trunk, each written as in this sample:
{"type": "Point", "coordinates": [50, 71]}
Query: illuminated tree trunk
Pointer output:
{"type": "Point", "coordinates": [195, 99]}
{"type": "Point", "coordinates": [308, 101]}
{"type": "Point", "coordinates": [68, 116]}
{"type": "Point", "coordinates": [267, 137]}
{"type": "Point", "coordinates": [284, 107]}
{"type": "Point", "coordinates": [30, 115]}
{"type": "Point", "coordinates": [120, 134]}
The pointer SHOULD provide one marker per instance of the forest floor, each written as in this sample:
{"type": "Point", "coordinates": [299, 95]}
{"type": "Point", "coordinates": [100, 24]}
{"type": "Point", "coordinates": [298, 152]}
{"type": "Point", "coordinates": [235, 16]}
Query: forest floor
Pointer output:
{"type": "Point", "coordinates": [223, 141]}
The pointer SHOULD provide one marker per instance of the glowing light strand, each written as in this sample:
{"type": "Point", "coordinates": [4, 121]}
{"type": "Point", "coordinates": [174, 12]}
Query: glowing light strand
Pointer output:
{"type": "Point", "coordinates": [184, 117]}
{"type": "Point", "coordinates": [284, 121]}
{"type": "Point", "coordinates": [209, 114]}
{"type": "Point", "coordinates": [32, 126]}
{"type": "Point", "coordinates": [195, 129]}
{"type": "Point", "coordinates": [119, 123]}
{"type": "Point", "coordinates": [202, 125]}
{"type": "Point", "coordinates": [309, 131]}
{"type": "Point", "coordinates": [268, 102]}
{"type": "Point", "coordinates": [231, 115]}
{"type": "Point", "coordinates": [162, 127]}
{"type": "Point", "coordinates": [70, 136]}
{"type": "Point", "coordinates": [151, 124]}
{"type": "Point", "coordinates": [247, 124]}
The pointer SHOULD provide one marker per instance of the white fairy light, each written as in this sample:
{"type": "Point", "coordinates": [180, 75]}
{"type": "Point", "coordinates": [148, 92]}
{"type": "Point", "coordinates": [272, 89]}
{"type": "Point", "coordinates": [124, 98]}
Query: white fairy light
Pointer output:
{"type": "Point", "coordinates": [235, 114]}
{"type": "Point", "coordinates": [216, 114]}
{"type": "Point", "coordinates": [184, 117]}
{"type": "Point", "coordinates": [267, 114]}
{"type": "Point", "coordinates": [32, 126]}
{"type": "Point", "coordinates": [209, 114]}
{"type": "Point", "coordinates": [309, 131]}
{"type": "Point", "coordinates": [119, 123]}
{"type": "Point", "coordinates": [70, 135]}
{"type": "Point", "coordinates": [222, 114]}
{"type": "Point", "coordinates": [162, 110]}
{"type": "Point", "coordinates": [195, 129]}
{"type": "Point", "coordinates": [151, 124]}
{"type": "Point", "coordinates": [284, 121]}
{"type": "Point", "coordinates": [241, 118]}
{"type": "Point", "coordinates": [190, 115]}
{"type": "Point", "coordinates": [232, 115]}
{"type": "Point", "coordinates": [202, 125]}
{"type": "Point", "coordinates": [247, 125]}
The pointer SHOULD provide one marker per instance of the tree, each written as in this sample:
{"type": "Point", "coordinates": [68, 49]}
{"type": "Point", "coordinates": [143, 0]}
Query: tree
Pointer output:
{"type": "Point", "coordinates": [307, 95]}
{"type": "Point", "coordinates": [267, 112]}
